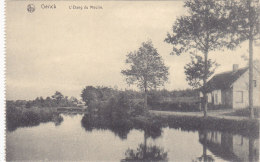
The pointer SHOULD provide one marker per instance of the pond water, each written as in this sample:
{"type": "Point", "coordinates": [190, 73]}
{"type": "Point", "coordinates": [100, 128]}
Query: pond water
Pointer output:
{"type": "Point", "coordinates": [71, 141]}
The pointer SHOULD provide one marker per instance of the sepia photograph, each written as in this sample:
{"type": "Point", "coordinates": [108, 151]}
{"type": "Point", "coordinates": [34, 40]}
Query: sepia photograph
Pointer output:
{"type": "Point", "coordinates": [139, 81]}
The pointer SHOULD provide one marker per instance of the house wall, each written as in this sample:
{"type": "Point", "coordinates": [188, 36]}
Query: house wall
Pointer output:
{"type": "Point", "coordinates": [217, 97]}
{"type": "Point", "coordinates": [224, 97]}
{"type": "Point", "coordinates": [209, 97]}
{"type": "Point", "coordinates": [227, 97]}
{"type": "Point", "coordinates": [240, 91]}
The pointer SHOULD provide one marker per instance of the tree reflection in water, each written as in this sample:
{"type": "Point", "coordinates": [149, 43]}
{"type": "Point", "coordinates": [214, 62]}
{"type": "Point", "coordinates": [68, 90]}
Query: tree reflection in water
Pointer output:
{"type": "Point", "coordinates": [121, 127]}
{"type": "Point", "coordinates": [146, 153]}
{"type": "Point", "coordinates": [204, 157]}
{"type": "Point", "coordinates": [221, 144]}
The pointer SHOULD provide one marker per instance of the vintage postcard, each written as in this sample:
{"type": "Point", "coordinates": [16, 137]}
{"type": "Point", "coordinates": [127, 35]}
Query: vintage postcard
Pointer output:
{"type": "Point", "coordinates": [132, 80]}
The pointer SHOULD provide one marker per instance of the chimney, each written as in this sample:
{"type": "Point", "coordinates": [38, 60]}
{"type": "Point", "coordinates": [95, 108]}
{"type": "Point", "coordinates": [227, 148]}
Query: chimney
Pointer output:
{"type": "Point", "coordinates": [235, 67]}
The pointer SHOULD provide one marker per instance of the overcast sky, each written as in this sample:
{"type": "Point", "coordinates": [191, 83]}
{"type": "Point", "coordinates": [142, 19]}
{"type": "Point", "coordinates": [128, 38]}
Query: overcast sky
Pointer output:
{"type": "Point", "coordinates": [66, 50]}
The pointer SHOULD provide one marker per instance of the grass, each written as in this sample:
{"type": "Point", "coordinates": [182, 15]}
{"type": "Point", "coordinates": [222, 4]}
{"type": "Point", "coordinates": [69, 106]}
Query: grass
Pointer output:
{"type": "Point", "coordinates": [244, 112]}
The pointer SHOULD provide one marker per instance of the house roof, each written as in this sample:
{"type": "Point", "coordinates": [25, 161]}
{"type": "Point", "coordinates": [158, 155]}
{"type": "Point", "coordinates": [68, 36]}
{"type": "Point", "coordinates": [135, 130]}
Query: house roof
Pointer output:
{"type": "Point", "coordinates": [224, 80]}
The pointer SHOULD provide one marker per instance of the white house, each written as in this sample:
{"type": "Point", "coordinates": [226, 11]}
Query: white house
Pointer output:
{"type": "Point", "coordinates": [230, 89]}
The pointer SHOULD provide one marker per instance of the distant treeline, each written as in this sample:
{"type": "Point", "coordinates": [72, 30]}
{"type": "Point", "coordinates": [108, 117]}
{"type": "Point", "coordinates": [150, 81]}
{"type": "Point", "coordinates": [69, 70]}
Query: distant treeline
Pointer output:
{"type": "Point", "coordinates": [93, 97]}
{"type": "Point", "coordinates": [177, 100]}
{"type": "Point", "coordinates": [56, 100]}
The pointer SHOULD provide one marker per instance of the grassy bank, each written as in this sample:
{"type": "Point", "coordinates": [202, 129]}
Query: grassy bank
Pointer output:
{"type": "Point", "coordinates": [248, 128]}
{"type": "Point", "coordinates": [152, 124]}
{"type": "Point", "coordinates": [245, 112]}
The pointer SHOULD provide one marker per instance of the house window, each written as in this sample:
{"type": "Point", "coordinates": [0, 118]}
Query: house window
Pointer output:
{"type": "Point", "coordinates": [239, 97]}
{"type": "Point", "coordinates": [254, 81]}
{"type": "Point", "coordinates": [216, 98]}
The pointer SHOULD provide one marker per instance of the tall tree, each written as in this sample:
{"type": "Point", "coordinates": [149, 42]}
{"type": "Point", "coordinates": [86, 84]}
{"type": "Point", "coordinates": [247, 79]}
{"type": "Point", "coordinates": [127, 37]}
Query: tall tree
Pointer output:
{"type": "Point", "coordinates": [245, 25]}
{"type": "Point", "coordinates": [147, 69]}
{"type": "Point", "coordinates": [203, 29]}
{"type": "Point", "coordinates": [194, 70]}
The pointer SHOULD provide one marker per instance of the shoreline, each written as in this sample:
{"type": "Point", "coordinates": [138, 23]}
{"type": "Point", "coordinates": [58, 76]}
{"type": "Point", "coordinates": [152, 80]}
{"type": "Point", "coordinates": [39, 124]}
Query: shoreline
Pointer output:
{"type": "Point", "coordinates": [218, 114]}
{"type": "Point", "coordinates": [189, 121]}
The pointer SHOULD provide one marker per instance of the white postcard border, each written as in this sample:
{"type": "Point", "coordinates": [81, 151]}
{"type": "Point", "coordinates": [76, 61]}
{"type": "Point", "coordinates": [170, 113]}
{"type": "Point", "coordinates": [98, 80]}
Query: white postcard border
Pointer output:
{"type": "Point", "coordinates": [2, 80]}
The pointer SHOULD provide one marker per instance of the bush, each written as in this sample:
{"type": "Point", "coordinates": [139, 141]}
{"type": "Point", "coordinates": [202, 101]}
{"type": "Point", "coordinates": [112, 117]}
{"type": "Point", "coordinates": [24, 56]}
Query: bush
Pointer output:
{"type": "Point", "coordinates": [122, 105]}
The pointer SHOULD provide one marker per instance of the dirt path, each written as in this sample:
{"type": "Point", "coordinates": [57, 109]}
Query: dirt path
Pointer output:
{"type": "Point", "coordinates": [212, 113]}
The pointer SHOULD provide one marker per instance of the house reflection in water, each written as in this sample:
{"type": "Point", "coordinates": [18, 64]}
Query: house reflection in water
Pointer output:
{"type": "Point", "coordinates": [230, 147]}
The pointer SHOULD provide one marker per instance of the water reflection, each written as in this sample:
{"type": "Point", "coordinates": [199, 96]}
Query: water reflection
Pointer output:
{"type": "Point", "coordinates": [204, 157]}
{"type": "Point", "coordinates": [31, 119]}
{"type": "Point", "coordinates": [225, 145]}
{"type": "Point", "coordinates": [93, 138]}
{"type": "Point", "coordinates": [121, 127]}
{"type": "Point", "coordinates": [146, 153]}
{"type": "Point", "coordinates": [222, 144]}
{"type": "Point", "coordinates": [91, 122]}
{"type": "Point", "coordinates": [229, 147]}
